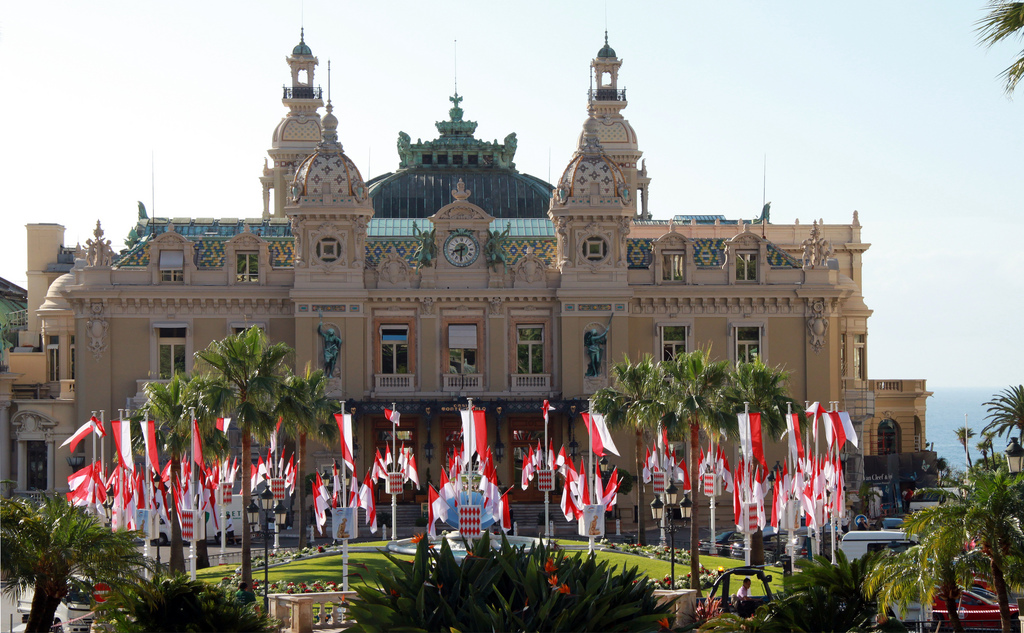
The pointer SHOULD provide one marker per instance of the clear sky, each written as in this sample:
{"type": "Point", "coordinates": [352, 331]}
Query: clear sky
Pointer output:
{"type": "Point", "coordinates": [889, 108]}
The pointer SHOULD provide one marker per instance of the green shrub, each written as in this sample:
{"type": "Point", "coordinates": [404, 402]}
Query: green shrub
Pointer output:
{"type": "Point", "coordinates": [179, 604]}
{"type": "Point", "coordinates": [510, 589]}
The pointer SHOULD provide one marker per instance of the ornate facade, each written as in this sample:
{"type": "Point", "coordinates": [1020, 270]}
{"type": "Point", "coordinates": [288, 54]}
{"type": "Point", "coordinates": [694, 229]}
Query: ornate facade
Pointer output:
{"type": "Point", "coordinates": [453, 277]}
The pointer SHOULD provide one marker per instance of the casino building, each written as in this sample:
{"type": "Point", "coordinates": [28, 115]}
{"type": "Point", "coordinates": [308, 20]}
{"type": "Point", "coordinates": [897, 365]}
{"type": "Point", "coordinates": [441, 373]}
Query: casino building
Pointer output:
{"type": "Point", "coordinates": [454, 276]}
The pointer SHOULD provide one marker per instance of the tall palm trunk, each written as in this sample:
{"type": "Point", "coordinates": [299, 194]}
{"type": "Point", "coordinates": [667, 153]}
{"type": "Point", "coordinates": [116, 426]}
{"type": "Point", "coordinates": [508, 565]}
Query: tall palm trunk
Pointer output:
{"type": "Point", "coordinates": [641, 524]}
{"type": "Point", "coordinates": [246, 500]}
{"type": "Point", "coordinates": [757, 547]}
{"type": "Point", "coordinates": [999, 581]}
{"type": "Point", "coordinates": [695, 509]}
{"type": "Point", "coordinates": [300, 496]}
{"type": "Point", "coordinates": [176, 558]}
{"type": "Point", "coordinates": [44, 606]}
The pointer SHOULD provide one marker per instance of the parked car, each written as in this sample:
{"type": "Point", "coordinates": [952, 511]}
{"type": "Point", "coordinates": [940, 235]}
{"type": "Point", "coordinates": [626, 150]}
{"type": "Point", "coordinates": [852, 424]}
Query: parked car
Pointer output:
{"type": "Point", "coordinates": [723, 544]}
{"type": "Point", "coordinates": [73, 614]}
{"type": "Point", "coordinates": [977, 608]}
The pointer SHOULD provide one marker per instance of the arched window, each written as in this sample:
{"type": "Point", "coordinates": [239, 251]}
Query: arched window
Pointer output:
{"type": "Point", "coordinates": [888, 437]}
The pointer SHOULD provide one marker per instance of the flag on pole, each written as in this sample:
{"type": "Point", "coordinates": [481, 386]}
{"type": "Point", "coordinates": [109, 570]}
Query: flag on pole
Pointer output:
{"type": "Point", "coordinates": [367, 502]}
{"type": "Point", "coordinates": [344, 421]}
{"type": "Point", "coordinates": [600, 437]}
{"type": "Point", "coordinates": [392, 415]}
{"type": "Point", "coordinates": [123, 441]}
{"type": "Point", "coordinates": [197, 443]}
{"type": "Point", "coordinates": [545, 408]}
{"type": "Point", "coordinates": [223, 424]}
{"type": "Point", "coordinates": [93, 425]}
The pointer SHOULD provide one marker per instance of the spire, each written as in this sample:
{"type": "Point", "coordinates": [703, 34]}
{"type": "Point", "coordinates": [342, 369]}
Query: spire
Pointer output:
{"type": "Point", "coordinates": [330, 122]}
{"type": "Point", "coordinates": [301, 48]}
{"type": "Point", "coordinates": [606, 51]}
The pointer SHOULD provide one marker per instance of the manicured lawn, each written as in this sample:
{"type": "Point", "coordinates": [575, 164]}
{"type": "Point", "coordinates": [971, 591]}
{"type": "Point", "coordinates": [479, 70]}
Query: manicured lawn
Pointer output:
{"type": "Point", "coordinates": [364, 566]}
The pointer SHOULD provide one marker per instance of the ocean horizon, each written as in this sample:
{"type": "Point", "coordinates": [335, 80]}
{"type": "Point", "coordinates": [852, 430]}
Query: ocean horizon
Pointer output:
{"type": "Point", "coordinates": [945, 413]}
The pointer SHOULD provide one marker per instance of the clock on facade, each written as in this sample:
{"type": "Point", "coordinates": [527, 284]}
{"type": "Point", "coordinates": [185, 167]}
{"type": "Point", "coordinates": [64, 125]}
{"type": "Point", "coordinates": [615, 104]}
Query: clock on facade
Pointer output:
{"type": "Point", "coordinates": [461, 248]}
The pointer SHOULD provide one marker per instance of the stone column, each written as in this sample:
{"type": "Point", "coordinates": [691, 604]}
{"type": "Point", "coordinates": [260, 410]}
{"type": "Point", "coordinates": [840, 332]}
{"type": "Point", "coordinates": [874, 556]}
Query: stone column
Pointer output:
{"type": "Point", "coordinates": [5, 436]}
{"type": "Point", "coordinates": [51, 467]}
{"type": "Point", "coordinates": [22, 464]}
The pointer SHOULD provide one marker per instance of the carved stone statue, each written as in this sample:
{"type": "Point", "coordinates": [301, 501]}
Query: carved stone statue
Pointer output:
{"type": "Point", "coordinates": [817, 250]}
{"type": "Point", "coordinates": [594, 344]}
{"type": "Point", "coordinates": [405, 155]}
{"type": "Point", "coordinates": [428, 246]}
{"type": "Point", "coordinates": [332, 346]}
{"type": "Point", "coordinates": [494, 251]}
{"type": "Point", "coordinates": [99, 253]}
{"type": "Point", "coordinates": [508, 151]}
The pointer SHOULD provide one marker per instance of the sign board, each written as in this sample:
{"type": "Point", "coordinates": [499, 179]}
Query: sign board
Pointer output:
{"type": "Point", "coordinates": [592, 521]}
{"type": "Point", "coordinates": [469, 521]}
{"type": "Point", "coordinates": [277, 487]}
{"type": "Point", "coordinates": [545, 480]}
{"type": "Point", "coordinates": [225, 492]}
{"type": "Point", "coordinates": [750, 511]}
{"type": "Point", "coordinates": [709, 484]}
{"type": "Point", "coordinates": [658, 479]}
{"type": "Point", "coordinates": [394, 484]}
{"type": "Point", "coordinates": [100, 592]}
{"type": "Point", "coordinates": [344, 523]}
{"type": "Point", "coordinates": [188, 522]}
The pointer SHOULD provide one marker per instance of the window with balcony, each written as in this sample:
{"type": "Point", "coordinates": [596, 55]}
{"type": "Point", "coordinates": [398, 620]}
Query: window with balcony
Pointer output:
{"type": "Point", "coordinates": [746, 266]}
{"type": "Point", "coordinates": [394, 349]}
{"type": "Point", "coordinates": [530, 349]}
{"type": "Point", "coordinates": [673, 341]}
{"type": "Point", "coordinates": [171, 346]}
{"type": "Point", "coordinates": [53, 358]}
{"type": "Point", "coordinates": [462, 348]}
{"type": "Point", "coordinates": [172, 266]}
{"type": "Point", "coordinates": [247, 268]}
{"type": "Point", "coordinates": [748, 344]}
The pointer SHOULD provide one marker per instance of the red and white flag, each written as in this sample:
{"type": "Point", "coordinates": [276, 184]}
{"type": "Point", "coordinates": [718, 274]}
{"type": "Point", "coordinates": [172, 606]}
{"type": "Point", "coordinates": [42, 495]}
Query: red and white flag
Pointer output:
{"type": "Point", "coordinates": [344, 421]}
{"type": "Point", "coordinates": [474, 434]}
{"type": "Point", "coordinates": [506, 515]}
{"type": "Point", "coordinates": [366, 502]}
{"type": "Point", "coordinates": [92, 426]}
{"type": "Point", "coordinates": [437, 508]}
{"type": "Point", "coordinates": [528, 460]}
{"type": "Point", "coordinates": [197, 443]}
{"type": "Point", "coordinates": [123, 442]}
{"type": "Point", "coordinates": [840, 428]}
{"type": "Point", "coordinates": [545, 408]}
{"type": "Point", "coordinates": [412, 470]}
{"type": "Point", "coordinates": [600, 437]}
{"type": "Point", "coordinates": [392, 415]}
{"type": "Point", "coordinates": [223, 424]}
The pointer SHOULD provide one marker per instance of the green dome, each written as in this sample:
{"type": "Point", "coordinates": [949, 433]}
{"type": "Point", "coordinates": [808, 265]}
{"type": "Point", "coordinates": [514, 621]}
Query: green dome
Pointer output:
{"type": "Point", "coordinates": [302, 49]}
{"type": "Point", "coordinates": [606, 51]}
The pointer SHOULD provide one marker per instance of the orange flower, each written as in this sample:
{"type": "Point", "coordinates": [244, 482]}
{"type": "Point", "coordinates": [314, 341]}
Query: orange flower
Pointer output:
{"type": "Point", "coordinates": [549, 566]}
{"type": "Point", "coordinates": [564, 588]}
{"type": "Point", "coordinates": [664, 623]}
{"type": "Point", "coordinates": [416, 538]}
{"type": "Point", "coordinates": [553, 581]}
{"type": "Point", "coordinates": [394, 593]}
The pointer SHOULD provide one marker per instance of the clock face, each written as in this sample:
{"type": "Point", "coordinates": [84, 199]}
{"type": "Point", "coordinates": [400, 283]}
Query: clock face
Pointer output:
{"type": "Point", "coordinates": [461, 249]}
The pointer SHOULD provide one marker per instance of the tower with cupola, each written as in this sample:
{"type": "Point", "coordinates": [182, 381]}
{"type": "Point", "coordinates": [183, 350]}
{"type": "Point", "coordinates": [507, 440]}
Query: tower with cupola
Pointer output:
{"type": "Point", "coordinates": [606, 101]}
{"type": "Point", "coordinates": [298, 132]}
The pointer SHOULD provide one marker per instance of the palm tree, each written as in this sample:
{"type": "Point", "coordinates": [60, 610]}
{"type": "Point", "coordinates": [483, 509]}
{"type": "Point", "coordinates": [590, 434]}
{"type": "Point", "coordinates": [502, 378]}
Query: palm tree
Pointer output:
{"type": "Point", "coordinates": [695, 393]}
{"type": "Point", "coordinates": [167, 404]}
{"type": "Point", "coordinates": [942, 467]}
{"type": "Point", "coordinates": [54, 547]}
{"type": "Point", "coordinates": [989, 514]}
{"type": "Point", "coordinates": [306, 410]}
{"type": "Point", "coordinates": [1005, 20]}
{"type": "Point", "coordinates": [634, 402]}
{"type": "Point", "coordinates": [937, 567]}
{"type": "Point", "coordinates": [764, 389]}
{"type": "Point", "coordinates": [964, 435]}
{"type": "Point", "coordinates": [248, 372]}
{"type": "Point", "coordinates": [1006, 412]}
{"type": "Point", "coordinates": [985, 446]}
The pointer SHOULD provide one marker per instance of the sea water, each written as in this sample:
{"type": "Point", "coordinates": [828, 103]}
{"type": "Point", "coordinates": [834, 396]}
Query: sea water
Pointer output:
{"type": "Point", "coordinates": [945, 414]}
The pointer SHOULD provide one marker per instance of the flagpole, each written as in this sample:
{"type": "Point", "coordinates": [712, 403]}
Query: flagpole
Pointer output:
{"type": "Point", "coordinates": [94, 460]}
{"type": "Point", "coordinates": [192, 492]}
{"type": "Point", "coordinates": [103, 451]}
{"type": "Point", "coordinates": [714, 491]}
{"type": "Point", "coordinates": [465, 471]}
{"type": "Point", "coordinates": [223, 508]}
{"type": "Point", "coordinates": [590, 467]}
{"type": "Point", "coordinates": [545, 458]}
{"type": "Point", "coordinates": [664, 499]}
{"type": "Point", "coordinates": [122, 512]}
{"type": "Point", "coordinates": [344, 541]}
{"type": "Point", "coordinates": [749, 484]}
{"type": "Point", "coordinates": [790, 508]}
{"type": "Point", "coordinates": [394, 469]}
{"type": "Point", "coordinates": [837, 489]}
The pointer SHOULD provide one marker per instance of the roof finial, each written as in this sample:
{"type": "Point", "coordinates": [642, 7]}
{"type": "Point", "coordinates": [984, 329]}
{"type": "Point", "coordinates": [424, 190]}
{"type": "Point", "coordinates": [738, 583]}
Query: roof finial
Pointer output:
{"type": "Point", "coordinates": [302, 35]}
{"type": "Point", "coordinates": [606, 37]}
{"type": "Point", "coordinates": [455, 65]}
{"type": "Point", "coordinates": [328, 83]}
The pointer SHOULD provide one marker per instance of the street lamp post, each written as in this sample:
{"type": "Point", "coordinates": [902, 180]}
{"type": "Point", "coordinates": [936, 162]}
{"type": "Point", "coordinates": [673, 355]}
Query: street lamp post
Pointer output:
{"type": "Point", "coordinates": [271, 515]}
{"type": "Point", "coordinates": [1014, 456]}
{"type": "Point", "coordinates": [658, 512]}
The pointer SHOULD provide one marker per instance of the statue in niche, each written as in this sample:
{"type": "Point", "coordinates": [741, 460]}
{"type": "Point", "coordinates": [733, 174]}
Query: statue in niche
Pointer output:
{"type": "Point", "coordinates": [428, 247]}
{"type": "Point", "coordinates": [594, 344]}
{"type": "Point", "coordinates": [494, 251]}
{"type": "Point", "coordinates": [332, 346]}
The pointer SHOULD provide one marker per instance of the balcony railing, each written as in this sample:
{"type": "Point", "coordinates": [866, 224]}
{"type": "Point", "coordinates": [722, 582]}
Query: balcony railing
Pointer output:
{"type": "Point", "coordinates": [462, 382]}
{"type": "Point", "coordinates": [531, 382]}
{"type": "Point", "coordinates": [393, 383]}
{"type": "Point", "coordinates": [606, 94]}
{"type": "Point", "coordinates": [303, 92]}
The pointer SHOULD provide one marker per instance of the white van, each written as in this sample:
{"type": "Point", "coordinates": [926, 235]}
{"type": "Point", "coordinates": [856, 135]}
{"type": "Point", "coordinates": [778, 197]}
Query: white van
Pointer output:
{"type": "Point", "coordinates": [234, 522]}
{"type": "Point", "coordinates": [857, 543]}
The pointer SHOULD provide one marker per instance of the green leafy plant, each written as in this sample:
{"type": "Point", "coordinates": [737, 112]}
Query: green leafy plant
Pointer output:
{"type": "Point", "coordinates": [507, 589]}
{"type": "Point", "coordinates": [178, 604]}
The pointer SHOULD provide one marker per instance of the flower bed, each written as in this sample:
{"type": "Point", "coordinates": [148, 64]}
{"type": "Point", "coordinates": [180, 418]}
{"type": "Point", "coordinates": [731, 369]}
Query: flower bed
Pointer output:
{"type": "Point", "coordinates": [658, 552]}
{"type": "Point", "coordinates": [281, 586]}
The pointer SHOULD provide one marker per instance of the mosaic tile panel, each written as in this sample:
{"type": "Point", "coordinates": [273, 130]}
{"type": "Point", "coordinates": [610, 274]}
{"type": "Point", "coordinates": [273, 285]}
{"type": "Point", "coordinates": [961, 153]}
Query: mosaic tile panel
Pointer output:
{"type": "Point", "coordinates": [136, 257]}
{"type": "Point", "coordinates": [639, 252]}
{"type": "Point", "coordinates": [376, 249]}
{"type": "Point", "coordinates": [282, 253]}
{"type": "Point", "coordinates": [778, 258]}
{"type": "Point", "coordinates": [709, 251]}
{"type": "Point", "coordinates": [211, 253]}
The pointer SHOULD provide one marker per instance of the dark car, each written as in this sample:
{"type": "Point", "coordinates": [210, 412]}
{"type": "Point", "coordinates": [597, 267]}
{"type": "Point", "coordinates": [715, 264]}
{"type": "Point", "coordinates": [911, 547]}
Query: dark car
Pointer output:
{"type": "Point", "coordinates": [724, 541]}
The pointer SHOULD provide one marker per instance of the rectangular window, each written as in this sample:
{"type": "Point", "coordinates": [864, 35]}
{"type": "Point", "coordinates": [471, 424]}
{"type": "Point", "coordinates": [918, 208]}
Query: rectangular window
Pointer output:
{"type": "Point", "coordinates": [428, 159]}
{"type": "Point", "coordinates": [673, 266]}
{"type": "Point", "coordinates": [394, 350]}
{"type": "Point", "coordinates": [172, 351]}
{"type": "Point", "coordinates": [442, 159]}
{"type": "Point", "coordinates": [530, 349]}
{"type": "Point", "coordinates": [457, 159]}
{"type": "Point", "coordinates": [71, 360]}
{"type": "Point", "coordinates": [247, 268]}
{"type": "Point", "coordinates": [473, 159]}
{"type": "Point", "coordinates": [673, 341]}
{"type": "Point", "coordinates": [36, 465]}
{"type": "Point", "coordinates": [748, 344]}
{"type": "Point", "coordinates": [746, 266]}
{"type": "Point", "coordinates": [53, 358]}
{"type": "Point", "coordinates": [462, 348]}
{"type": "Point", "coordinates": [859, 352]}
{"type": "Point", "coordinates": [172, 266]}
{"type": "Point", "coordinates": [842, 356]}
